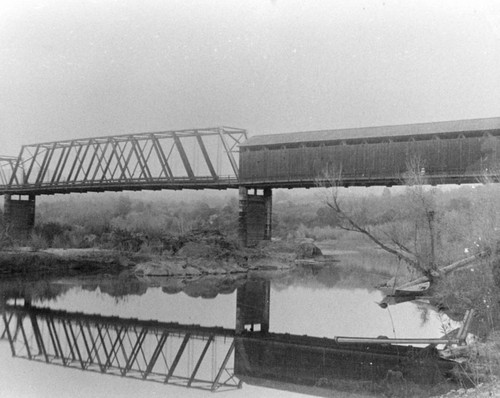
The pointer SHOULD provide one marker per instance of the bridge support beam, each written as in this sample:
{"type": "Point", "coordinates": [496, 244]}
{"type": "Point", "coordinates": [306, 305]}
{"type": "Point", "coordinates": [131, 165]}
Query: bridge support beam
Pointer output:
{"type": "Point", "coordinates": [19, 215]}
{"type": "Point", "coordinates": [255, 216]}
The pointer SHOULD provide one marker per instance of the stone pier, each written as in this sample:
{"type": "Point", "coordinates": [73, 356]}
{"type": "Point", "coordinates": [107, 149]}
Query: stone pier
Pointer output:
{"type": "Point", "coordinates": [255, 216]}
{"type": "Point", "coordinates": [19, 215]}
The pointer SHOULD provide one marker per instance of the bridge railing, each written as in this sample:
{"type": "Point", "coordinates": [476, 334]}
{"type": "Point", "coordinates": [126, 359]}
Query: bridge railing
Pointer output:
{"type": "Point", "coordinates": [171, 159]}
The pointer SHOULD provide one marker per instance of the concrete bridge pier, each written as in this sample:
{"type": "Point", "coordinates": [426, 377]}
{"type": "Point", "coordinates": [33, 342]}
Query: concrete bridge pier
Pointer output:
{"type": "Point", "coordinates": [255, 215]}
{"type": "Point", "coordinates": [19, 215]}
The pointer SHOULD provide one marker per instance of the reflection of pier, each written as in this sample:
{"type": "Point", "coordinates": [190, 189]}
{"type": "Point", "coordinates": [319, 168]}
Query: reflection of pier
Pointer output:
{"type": "Point", "coordinates": [313, 365]}
{"type": "Point", "coordinates": [148, 350]}
{"type": "Point", "coordinates": [215, 358]}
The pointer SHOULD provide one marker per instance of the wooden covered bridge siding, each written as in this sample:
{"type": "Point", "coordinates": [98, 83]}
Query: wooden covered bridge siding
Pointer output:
{"type": "Point", "coordinates": [448, 152]}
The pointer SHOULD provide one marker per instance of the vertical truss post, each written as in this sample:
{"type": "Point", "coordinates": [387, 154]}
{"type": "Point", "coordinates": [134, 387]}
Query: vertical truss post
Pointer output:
{"type": "Point", "coordinates": [80, 162]}
{"type": "Point", "coordinates": [38, 337]}
{"type": "Point", "coordinates": [114, 347]}
{"type": "Point", "coordinates": [198, 364]}
{"type": "Point", "coordinates": [100, 159]}
{"type": "Point", "coordinates": [7, 322]}
{"type": "Point", "coordinates": [135, 351]}
{"type": "Point", "coordinates": [127, 161]}
{"type": "Point", "coordinates": [70, 345]}
{"type": "Point", "coordinates": [58, 178]}
{"type": "Point", "coordinates": [25, 338]}
{"type": "Point", "coordinates": [141, 160]}
{"type": "Point", "coordinates": [77, 349]}
{"type": "Point", "coordinates": [50, 322]}
{"type": "Point", "coordinates": [184, 157]}
{"type": "Point", "coordinates": [101, 338]}
{"type": "Point", "coordinates": [95, 146]}
{"type": "Point", "coordinates": [33, 160]}
{"type": "Point", "coordinates": [155, 355]}
{"type": "Point", "coordinates": [223, 366]}
{"type": "Point", "coordinates": [177, 357]}
{"type": "Point", "coordinates": [16, 168]}
{"type": "Point", "coordinates": [94, 347]}
{"type": "Point", "coordinates": [229, 153]}
{"type": "Point", "coordinates": [52, 338]}
{"type": "Point", "coordinates": [58, 165]}
{"type": "Point", "coordinates": [161, 156]}
{"type": "Point", "coordinates": [46, 162]}
{"type": "Point", "coordinates": [114, 152]}
{"type": "Point", "coordinates": [9, 336]}
{"type": "Point", "coordinates": [108, 163]}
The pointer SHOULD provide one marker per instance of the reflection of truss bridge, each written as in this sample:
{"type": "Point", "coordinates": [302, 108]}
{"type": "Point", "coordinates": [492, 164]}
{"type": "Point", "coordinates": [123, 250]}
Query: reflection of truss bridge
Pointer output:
{"type": "Point", "coordinates": [183, 355]}
{"type": "Point", "coordinates": [197, 158]}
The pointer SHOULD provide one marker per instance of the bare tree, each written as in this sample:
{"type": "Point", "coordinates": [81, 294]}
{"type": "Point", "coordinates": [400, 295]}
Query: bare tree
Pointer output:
{"type": "Point", "coordinates": [414, 242]}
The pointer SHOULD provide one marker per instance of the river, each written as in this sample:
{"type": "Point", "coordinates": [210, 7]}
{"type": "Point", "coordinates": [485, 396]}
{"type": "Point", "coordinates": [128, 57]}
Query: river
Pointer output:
{"type": "Point", "coordinates": [122, 323]}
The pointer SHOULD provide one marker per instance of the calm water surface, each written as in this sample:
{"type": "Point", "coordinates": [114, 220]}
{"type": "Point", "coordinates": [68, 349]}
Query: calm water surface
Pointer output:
{"type": "Point", "coordinates": [108, 319]}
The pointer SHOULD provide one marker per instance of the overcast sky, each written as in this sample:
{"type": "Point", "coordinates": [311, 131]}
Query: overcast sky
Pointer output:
{"type": "Point", "coordinates": [73, 69]}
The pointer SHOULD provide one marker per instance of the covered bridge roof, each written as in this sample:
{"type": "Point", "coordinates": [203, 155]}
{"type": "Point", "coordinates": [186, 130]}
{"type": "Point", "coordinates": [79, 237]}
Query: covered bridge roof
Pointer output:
{"type": "Point", "coordinates": [371, 133]}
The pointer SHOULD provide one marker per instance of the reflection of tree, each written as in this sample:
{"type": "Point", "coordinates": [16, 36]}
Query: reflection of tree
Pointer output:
{"type": "Point", "coordinates": [208, 286]}
{"type": "Point", "coordinates": [326, 277]}
{"type": "Point", "coordinates": [31, 290]}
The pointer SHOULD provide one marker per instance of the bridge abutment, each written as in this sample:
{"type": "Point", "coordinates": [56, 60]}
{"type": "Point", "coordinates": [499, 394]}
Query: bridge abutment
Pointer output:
{"type": "Point", "coordinates": [19, 215]}
{"type": "Point", "coordinates": [255, 216]}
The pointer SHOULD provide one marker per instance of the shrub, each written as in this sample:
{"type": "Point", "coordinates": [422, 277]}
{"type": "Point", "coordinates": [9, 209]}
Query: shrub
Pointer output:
{"type": "Point", "coordinates": [37, 242]}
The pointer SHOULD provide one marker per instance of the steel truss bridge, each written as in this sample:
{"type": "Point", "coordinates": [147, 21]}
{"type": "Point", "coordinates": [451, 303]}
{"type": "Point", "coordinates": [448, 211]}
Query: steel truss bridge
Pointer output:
{"type": "Point", "coordinates": [195, 158]}
{"type": "Point", "coordinates": [183, 355]}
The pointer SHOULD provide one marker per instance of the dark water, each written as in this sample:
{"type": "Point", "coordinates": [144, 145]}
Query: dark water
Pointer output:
{"type": "Point", "coordinates": [258, 335]}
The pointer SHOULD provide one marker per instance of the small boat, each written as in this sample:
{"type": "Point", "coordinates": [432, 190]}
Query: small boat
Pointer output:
{"type": "Point", "coordinates": [415, 290]}
{"type": "Point", "coordinates": [397, 295]}
{"type": "Point", "coordinates": [418, 289]}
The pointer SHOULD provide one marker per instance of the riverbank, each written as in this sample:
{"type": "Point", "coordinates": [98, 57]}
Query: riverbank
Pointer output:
{"type": "Point", "coordinates": [26, 261]}
{"type": "Point", "coordinates": [193, 259]}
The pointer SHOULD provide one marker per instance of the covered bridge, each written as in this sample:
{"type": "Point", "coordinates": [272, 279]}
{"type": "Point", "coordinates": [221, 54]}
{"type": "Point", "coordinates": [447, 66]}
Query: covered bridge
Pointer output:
{"type": "Point", "coordinates": [448, 152]}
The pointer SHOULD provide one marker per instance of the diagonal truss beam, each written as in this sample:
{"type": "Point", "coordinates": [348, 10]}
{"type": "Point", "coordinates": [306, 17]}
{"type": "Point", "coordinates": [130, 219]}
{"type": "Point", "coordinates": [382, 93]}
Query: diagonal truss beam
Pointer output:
{"type": "Point", "coordinates": [222, 369]}
{"type": "Point", "coordinates": [183, 155]}
{"type": "Point", "coordinates": [200, 360]}
{"type": "Point", "coordinates": [178, 357]}
{"type": "Point", "coordinates": [126, 347]}
{"type": "Point", "coordinates": [196, 158]}
{"type": "Point", "coordinates": [205, 155]}
{"type": "Point", "coordinates": [156, 354]}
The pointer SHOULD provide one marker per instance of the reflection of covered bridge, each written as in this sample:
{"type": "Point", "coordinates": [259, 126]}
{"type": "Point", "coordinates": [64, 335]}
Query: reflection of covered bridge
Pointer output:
{"type": "Point", "coordinates": [209, 358]}
{"type": "Point", "coordinates": [448, 153]}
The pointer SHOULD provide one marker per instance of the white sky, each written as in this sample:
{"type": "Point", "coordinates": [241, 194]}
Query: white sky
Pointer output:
{"type": "Point", "coordinates": [72, 69]}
